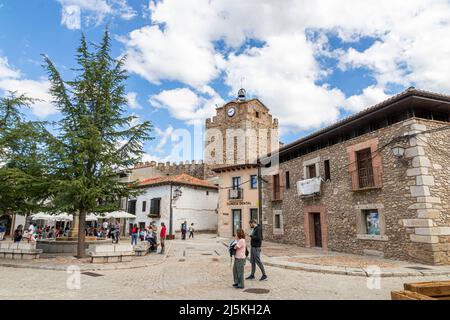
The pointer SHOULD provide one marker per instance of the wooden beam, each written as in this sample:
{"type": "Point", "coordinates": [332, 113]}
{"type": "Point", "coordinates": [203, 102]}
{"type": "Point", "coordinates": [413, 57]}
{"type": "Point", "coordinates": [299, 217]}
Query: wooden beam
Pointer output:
{"type": "Point", "coordinates": [409, 295]}
{"type": "Point", "coordinates": [432, 289]}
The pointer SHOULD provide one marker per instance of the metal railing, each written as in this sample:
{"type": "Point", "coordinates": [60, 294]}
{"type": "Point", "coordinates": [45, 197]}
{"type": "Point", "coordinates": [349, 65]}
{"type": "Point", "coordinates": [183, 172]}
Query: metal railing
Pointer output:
{"type": "Point", "coordinates": [236, 194]}
{"type": "Point", "coordinates": [367, 178]}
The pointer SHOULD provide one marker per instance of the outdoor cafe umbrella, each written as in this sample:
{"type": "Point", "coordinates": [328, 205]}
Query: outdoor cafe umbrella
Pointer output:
{"type": "Point", "coordinates": [119, 215]}
{"type": "Point", "coordinates": [42, 216]}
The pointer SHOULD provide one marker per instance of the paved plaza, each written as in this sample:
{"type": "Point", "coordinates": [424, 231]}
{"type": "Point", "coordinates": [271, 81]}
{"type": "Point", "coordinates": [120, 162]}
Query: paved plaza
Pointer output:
{"type": "Point", "coordinates": [191, 269]}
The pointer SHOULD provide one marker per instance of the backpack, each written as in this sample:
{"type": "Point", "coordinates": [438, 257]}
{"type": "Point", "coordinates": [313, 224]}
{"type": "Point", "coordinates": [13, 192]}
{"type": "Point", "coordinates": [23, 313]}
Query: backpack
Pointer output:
{"type": "Point", "coordinates": [232, 250]}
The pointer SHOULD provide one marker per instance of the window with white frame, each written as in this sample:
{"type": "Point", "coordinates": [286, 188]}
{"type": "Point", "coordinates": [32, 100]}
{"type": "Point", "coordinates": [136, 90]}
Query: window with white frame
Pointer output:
{"type": "Point", "coordinates": [278, 222]}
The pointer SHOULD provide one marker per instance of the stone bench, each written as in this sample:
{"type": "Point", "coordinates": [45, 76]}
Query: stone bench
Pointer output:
{"type": "Point", "coordinates": [142, 248]}
{"type": "Point", "coordinates": [19, 251]}
{"type": "Point", "coordinates": [108, 253]}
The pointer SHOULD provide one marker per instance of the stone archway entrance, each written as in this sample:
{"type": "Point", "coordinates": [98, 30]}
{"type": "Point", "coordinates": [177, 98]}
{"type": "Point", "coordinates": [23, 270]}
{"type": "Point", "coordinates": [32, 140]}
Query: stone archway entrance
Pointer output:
{"type": "Point", "coordinates": [6, 219]}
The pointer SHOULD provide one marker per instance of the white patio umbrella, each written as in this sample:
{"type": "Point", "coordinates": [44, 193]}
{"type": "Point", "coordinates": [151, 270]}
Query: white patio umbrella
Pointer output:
{"type": "Point", "coordinates": [42, 216]}
{"type": "Point", "coordinates": [119, 215]}
{"type": "Point", "coordinates": [63, 217]}
{"type": "Point", "coordinates": [91, 217]}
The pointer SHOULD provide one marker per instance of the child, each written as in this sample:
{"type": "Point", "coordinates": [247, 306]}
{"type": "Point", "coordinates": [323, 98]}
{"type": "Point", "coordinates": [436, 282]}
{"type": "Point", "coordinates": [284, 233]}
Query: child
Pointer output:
{"type": "Point", "coordinates": [191, 231]}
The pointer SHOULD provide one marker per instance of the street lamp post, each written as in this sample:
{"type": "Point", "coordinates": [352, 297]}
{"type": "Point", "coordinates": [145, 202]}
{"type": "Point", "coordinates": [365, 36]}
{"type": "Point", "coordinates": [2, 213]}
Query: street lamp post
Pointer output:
{"type": "Point", "coordinates": [171, 215]}
{"type": "Point", "coordinates": [260, 196]}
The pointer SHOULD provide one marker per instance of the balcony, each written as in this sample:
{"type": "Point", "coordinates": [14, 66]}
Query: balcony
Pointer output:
{"type": "Point", "coordinates": [236, 194]}
{"type": "Point", "coordinates": [367, 178]}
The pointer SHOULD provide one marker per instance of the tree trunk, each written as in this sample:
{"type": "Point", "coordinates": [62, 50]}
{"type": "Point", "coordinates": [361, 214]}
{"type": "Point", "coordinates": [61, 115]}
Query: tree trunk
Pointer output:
{"type": "Point", "coordinates": [81, 252]}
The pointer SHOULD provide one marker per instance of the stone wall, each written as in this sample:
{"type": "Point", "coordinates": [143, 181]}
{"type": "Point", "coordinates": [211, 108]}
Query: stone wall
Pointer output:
{"type": "Point", "coordinates": [152, 169]}
{"type": "Point", "coordinates": [411, 196]}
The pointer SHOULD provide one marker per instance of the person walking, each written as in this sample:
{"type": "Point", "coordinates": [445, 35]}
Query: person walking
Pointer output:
{"type": "Point", "coordinates": [134, 235]}
{"type": "Point", "coordinates": [162, 237]}
{"type": "Point", "coordinates": [183, 230]}
{"type": "Point", "coordinates": [255, 252]}
{"type": "Point", "coordinates": [239, 259]}
{"type": "Point", "coordinates": [191, 231]}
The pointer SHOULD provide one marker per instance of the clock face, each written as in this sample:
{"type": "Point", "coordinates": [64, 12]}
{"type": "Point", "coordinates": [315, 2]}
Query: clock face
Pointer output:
{"type": "Point", "coordinates": [231, 112]}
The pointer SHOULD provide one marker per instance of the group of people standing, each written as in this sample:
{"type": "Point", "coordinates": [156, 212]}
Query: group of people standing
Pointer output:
{"type": "Point", "coordinates": [149, 234]}
{"type": "Point", "coordinates": [238, 248]}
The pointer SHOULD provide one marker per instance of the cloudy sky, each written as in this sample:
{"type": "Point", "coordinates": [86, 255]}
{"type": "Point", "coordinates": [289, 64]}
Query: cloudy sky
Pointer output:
{"type": "Point", "coordinates": [311, 62]}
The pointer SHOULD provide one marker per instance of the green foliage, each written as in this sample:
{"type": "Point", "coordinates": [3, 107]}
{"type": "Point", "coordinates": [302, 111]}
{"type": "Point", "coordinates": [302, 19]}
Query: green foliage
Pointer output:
{"type": "Point", "coordinates": [23, 177]}
{"type": "Point", "coordinates": [95, 139]}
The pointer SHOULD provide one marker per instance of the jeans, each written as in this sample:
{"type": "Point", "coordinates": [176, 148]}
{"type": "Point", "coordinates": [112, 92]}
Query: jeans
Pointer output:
{"type": "Point", "coordinates": [255, 259]}
{"type": "Point", "coordinates": [191, 234]}
{"type": "Point", "coordinates": [134, 239]}
{"type": "Point", "coordinates": [238, 272]}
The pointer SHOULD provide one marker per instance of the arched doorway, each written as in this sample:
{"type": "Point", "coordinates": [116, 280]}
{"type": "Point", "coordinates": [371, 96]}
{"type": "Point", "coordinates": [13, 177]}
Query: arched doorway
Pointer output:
{"type": "Point", "coordinates": [6, 219]}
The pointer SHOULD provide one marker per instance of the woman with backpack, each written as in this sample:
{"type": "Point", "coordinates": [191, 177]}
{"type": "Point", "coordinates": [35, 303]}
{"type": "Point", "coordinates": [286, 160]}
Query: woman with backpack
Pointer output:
{"type": "Point", "coordinates": [239, 259]}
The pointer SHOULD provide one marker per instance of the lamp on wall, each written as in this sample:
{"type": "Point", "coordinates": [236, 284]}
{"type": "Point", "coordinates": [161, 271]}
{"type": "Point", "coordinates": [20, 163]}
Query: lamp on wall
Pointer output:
{"type": "Point", "coordinates": [398, 150]}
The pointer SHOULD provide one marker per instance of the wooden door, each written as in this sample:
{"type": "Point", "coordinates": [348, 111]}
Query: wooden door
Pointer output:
{"type": "Point", "coordinates": [316, 230]}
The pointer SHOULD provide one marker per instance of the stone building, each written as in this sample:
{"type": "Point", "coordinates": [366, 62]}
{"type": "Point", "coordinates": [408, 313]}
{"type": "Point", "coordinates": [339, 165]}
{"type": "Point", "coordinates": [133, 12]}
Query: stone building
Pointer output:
{"type": "Point", "coordinates": [375, 183]}
{"type": "Point", "coordinates": [240, 132]}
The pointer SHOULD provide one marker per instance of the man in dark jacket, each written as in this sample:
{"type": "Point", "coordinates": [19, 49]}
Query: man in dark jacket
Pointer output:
{"type": "Point", "coordinates": [255, 254]}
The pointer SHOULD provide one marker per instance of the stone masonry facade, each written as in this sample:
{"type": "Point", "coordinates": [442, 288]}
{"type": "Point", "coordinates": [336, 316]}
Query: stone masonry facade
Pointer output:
{"type": "Point", "coordinates": [411, 196]}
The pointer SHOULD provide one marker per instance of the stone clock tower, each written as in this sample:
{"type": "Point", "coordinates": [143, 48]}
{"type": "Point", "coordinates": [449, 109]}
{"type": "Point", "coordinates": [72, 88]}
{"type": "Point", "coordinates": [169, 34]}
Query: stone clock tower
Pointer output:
{"type": "Point", "coordinates": [241, 130]}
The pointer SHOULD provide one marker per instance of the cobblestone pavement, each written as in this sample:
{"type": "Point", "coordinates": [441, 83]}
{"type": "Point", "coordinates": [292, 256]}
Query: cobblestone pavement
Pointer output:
{"type": "Point", "coordinates": [193, 269]}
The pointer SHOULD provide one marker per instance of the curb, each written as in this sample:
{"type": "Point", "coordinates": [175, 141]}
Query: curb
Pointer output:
{"type": "Point", "coordinates": [350, 271]}
{"type": "Point", "coordinates": [87, 267]}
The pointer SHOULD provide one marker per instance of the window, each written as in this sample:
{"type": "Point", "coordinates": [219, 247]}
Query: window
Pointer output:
{"type": "Point", "coordinates": [371, 221]}
{"type": "Point", "coordinates": [326, 165]}
{"type": "Point", "coordinates": [287, 180]}
{"type": "Point", "coordinates": [155, 207]}
{"type": "Point", "coordinates": [132, 206]}
{"type": "Point", "coordinates": [142, 225]}
{"type": "Point", "coordinates": [276, 187]}
{"type": "Point", "coordinates": [277, 221]}
{"type": "Point", "coordinates": [254, 214]}
{"type": "Point", "coordinates": [144, 206]}
{"type": "Point", "coordinates": [311, 171]}
{"type": "Point", "coordinates": [365, 168]}
{"type": "Point", "coordinates": [207, 193]}
{"type": "Point", "coordinates": [257, 114]}
{"type": "Point", "coordinates": [254, 182]}
{"type": "Point", "coordinates": [236, 182]}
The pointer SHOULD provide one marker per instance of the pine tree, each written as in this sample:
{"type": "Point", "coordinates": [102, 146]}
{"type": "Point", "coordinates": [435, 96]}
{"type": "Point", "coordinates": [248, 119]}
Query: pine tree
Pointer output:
{"type": "Point", "coordinates": [23, 168]}
{"type": "Point", "coordinates": [95, 138]}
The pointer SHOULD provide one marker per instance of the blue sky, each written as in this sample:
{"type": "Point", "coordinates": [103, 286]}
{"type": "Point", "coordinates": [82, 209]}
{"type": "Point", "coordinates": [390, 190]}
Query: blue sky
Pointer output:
{"type": "Point", "coordinates": [310, 62]}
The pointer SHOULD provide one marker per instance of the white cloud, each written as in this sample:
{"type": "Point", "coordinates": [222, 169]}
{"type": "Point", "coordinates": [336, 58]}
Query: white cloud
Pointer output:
{"type": "Point", "coordinates": [133, 103]}
{"type": "Point", "coordinates": [94, 11]}
{"type": "Point", "coordinates": [6, 71]}
{"type": "Point", "coordinates": [187, 105]}
{"type": "Point", "coordinates": [12, 80]}
{"type": "Point", "coordinates": [180, 44]}
{"type": "Point", "coordinates": [71, 17]}
{"type": "Point", "coordinates": [369, 97]}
